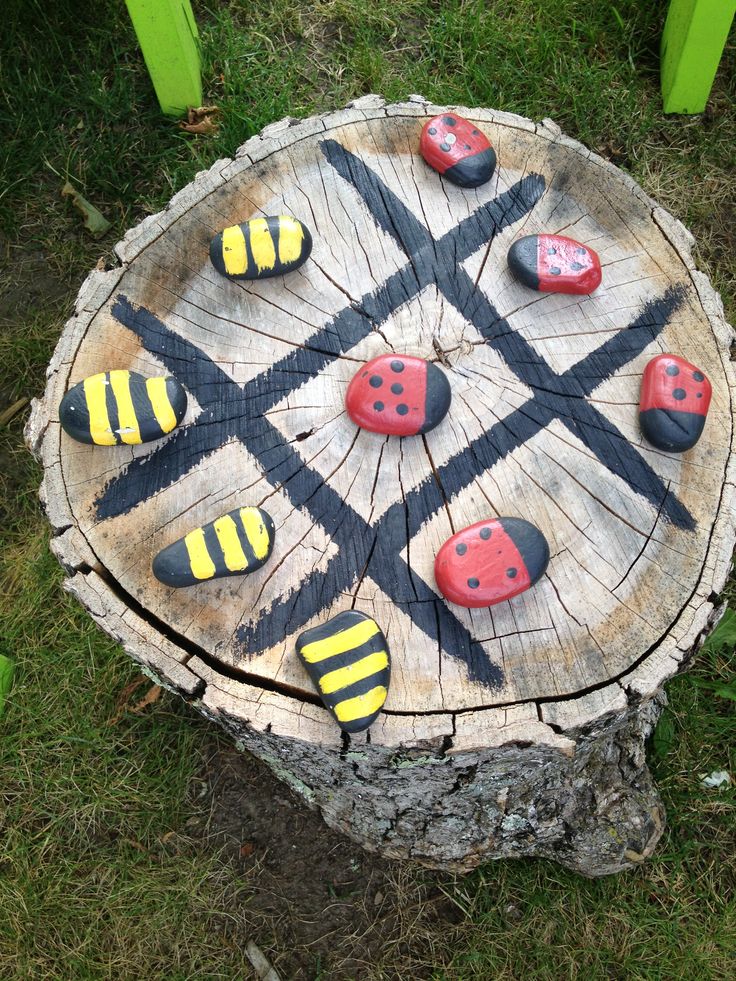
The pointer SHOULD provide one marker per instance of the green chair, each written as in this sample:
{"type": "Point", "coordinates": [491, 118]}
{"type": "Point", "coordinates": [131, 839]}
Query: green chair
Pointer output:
{"type": "Point", "coordinates": [693, 40]}
{"type": "Point", "coordinates": [167, 34]}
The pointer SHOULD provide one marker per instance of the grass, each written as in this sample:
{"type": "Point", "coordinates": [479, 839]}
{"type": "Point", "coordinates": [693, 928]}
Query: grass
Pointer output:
{"type": "Point", "coordinates": [99, 875]}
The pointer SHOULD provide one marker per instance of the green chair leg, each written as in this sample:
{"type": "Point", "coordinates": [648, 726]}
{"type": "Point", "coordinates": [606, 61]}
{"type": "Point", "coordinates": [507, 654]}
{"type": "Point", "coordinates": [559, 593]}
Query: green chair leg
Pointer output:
{"type": "Point", "coordinates": [167, 34]}
{"type": "Point", "coordinates": [693, 39]}
{"type": "Point", "coordinates": [6, 678]}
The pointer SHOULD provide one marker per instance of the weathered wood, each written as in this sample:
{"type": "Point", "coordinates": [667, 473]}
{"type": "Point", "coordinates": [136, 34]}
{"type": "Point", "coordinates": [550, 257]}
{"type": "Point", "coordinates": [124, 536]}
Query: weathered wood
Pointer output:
{"type": "Point", "coordinates": [511, 730]}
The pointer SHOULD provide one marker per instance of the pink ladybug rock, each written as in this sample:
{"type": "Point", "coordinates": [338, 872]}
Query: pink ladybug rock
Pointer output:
{"type": "Point", "coordinates": [555, 264]}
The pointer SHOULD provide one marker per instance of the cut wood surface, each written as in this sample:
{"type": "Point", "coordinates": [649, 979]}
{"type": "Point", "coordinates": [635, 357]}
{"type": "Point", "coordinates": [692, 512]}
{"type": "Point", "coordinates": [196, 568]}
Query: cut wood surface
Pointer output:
{"type": "Point", "coordinates": [542, 425]}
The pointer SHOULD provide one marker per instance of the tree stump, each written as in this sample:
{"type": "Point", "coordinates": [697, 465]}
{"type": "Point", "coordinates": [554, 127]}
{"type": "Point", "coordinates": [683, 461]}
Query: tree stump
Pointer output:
{"type": "Point", "coordinates": [514, 730]}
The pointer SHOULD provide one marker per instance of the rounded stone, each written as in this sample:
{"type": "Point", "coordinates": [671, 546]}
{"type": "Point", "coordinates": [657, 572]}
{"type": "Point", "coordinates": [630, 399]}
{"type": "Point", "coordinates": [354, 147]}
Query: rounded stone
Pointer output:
{"type": "Point", "coordinates": [456, 149]}
{"type": "Point", "coordinates": [575, 269]}
{"type": "Point", "coordinates": [235, 544]}
{"type": "Point", "coordinates": [476, 570]}
{"type": "Point", "coordinates": [261, 247]}
{"type": "Point", "coordinates": [672, 413]}
{"type": "Point", "coordinates": [122, 407]}
{"type": "Point", "coordinates": [349, 663]}
{"type": "Point", "coordinates": [415, 405]}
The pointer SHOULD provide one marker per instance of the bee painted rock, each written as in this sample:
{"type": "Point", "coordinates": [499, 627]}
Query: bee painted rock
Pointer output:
{"type": "Point", "coordinates": [348, 660]}
{"type": "Point", "coordinates": [491, 561]}
{"type": "Point", "coordinates": [122, 407]}
{"type": "Point", "coordinates": [237, 543]}
{"type": "Point", "coordinates": [555, 264]}
{"type": "Point", "coordinates": [458, 150]}
{"type": "Point", "coordinates": [261, 247]}
{"type": "Point", "coordinates": [398, 395]}
{"type": "Point", "coordinates": [675, 396]}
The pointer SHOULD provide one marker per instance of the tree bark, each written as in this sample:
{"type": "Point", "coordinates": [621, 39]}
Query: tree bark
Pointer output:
{"type": "Point", "coordinates": [516, 730]}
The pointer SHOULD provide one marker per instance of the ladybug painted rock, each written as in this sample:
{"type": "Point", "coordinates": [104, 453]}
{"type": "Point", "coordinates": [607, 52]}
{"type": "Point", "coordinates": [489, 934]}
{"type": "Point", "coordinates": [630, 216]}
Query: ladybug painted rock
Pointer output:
{"type": "Point", "coordinates": [398, 395]}
{"type": "Point", "coordinates": [555, 264]}
{"type": "Point", "coordinates": [458, 150]}
{"type": "Point", "coordinates": [491, 561]}
{"type": "Point", "coordinates": [675, 396]}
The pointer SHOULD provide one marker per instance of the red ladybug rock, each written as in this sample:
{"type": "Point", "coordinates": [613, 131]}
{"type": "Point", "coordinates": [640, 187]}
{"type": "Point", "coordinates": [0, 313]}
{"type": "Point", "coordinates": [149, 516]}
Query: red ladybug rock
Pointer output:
{"type": "Point", "coordinates": [398, 395]}
{"type": "Point", "coordinates": [555, 264]}
{"type": "Point", "coordinates": [457, 149]}
{"type": "Point", "coordinates": [675, 396]}
{"type": "Point", "coordinates": [491, 561]}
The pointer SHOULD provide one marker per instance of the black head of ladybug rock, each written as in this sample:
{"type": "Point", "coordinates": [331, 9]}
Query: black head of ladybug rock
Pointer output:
{"type": "Point", "coordinates": [398, 395]}
{"type": "Point", "coordinates": [555, 264]}
{"type": "Point", "coordinates": [457, 149]}
{"type": "Point", "coordinates": [491, 561]}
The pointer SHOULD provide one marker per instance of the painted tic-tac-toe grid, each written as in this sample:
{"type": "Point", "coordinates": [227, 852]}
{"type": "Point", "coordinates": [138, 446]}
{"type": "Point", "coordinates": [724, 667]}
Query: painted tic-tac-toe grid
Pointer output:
{"type": "Point", "coordinates": [231, 411]}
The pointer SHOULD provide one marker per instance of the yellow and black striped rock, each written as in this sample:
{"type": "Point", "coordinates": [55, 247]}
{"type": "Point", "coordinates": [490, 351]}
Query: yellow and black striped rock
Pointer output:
{"type": "Point", "coordinates": [261, 247]}
{"type": "Point", "coordinates": [348, 660]}
{"type": "Point", "coordinates": [122, 407]}
{"type": "Point", "coordinates": [234, 544]}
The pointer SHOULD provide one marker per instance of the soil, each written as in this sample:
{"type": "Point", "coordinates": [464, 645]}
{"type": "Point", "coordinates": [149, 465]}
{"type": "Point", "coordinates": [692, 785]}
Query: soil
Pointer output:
{"type": "Point", "coordinates": [316, 902]}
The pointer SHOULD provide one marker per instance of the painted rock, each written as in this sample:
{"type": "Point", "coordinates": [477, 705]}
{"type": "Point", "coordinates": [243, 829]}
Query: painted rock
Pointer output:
{"type": "Point", "coordinates": [675, 396]}
{"type": "Point", "coordinates": [398, 395]}
{"type": "Point", "coordinates": [235, 544]}
{"type": "Point", "coordinates": [491, 561]}
{"type": "Point", "coordinates": [555, 264]}
{"type": "Point", "coordinates": [261, 247]}
{"type": "Point", "coordinates": [122, 407]}
{"type": "Point", "coordinates": [458, 150]}
{"type": "Point", "coordinates": [348, 660]}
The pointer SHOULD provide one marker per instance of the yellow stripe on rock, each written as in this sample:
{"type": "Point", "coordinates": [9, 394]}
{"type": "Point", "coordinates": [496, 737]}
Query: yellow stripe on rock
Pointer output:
{"type": "Point", "coordinates": [232, 550]}
{"type": "Point", "coordinates": [159, 399]}
{"type": "Point", "coordinates": [234, 254]}
{"type": "Point", "coordinates": [128, 427]}
{"type": "Point", "coordinates": [291, 240]}
{"type": "Point", "coordinates": [361, 706]}
{"type": "Point", "coordinates": [95, 389]}
{"type": "Point", "coordinates": [342, 677]}
{"type": "Point", "coordinates": [344, 640]}
{"type": "Point", "coordinates": [261, 244]}
{"type": "Point", "coordinates": [255, 531]}
{"type": "Point", "coordinates": [200, 562]}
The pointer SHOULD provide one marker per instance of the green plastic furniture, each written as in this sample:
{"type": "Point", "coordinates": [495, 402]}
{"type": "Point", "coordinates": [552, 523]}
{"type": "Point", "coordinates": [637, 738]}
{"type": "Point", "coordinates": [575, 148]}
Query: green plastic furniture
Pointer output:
{"type": "Point", "coordinates": [693, 40]}
{"type": "Point", "coordinates": [6, 679]}
{"type": "Point", "coordinates": [167, 33]}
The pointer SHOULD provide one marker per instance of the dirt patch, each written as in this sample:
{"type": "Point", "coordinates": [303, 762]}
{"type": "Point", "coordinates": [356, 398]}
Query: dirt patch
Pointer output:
{"type": "Point", "coordinates": [28, 282]}
{"type": "Point", "coordinates": [316, 903]}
